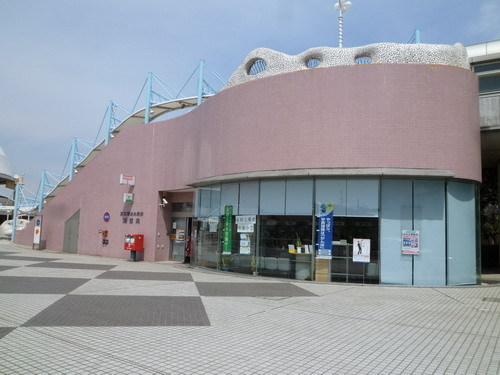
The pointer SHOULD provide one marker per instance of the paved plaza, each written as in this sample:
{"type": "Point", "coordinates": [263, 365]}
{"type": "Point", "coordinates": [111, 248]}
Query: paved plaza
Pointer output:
{"type": "Point", "coordinates": [75, 314]}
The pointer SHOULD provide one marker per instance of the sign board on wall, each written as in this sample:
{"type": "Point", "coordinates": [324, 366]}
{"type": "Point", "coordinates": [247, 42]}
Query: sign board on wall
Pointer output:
{"type": "Point", "coordinates": [410, 242]}
{"type": "Point", "coordinates": [325, 230]}
{"type": "Point", "coordinates": [37, 233]}
{"type": "Point", "coordinates": [245, 224]}
{"type": "Point", "coordinates": [245, 243]}
{"type": "Point", "coordinates": [128, 198]}
{"type": "Point", "coordinates": [127, 180]}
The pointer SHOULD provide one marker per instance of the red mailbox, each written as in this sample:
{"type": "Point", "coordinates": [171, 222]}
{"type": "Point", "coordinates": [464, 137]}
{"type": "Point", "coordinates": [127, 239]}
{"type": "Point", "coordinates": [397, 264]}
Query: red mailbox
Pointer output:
{"type": "Point", "coordinates": [134, 242]}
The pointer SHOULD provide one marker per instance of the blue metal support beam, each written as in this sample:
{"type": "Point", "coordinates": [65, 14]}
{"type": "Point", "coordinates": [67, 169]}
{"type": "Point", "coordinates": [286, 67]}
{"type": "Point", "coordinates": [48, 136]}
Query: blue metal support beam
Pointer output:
{"type": "Point", "coordinates": [415, 38]}
{"type": "Point", "coordinates": [149, 94]}
{"type": "Point", "coordinates": [201, 70]}
{"type": "Point", "coordinates": [112, 121]}
{"type": "Point", "coordinates": [48, 181]}
{"type": "Point", "coordinates": [109, 120]}
{"type": "Point", "coordinates": [73, 159]}
{"type": "Point", "coordinates": [77, 156]}
{"type": "Point", "coordinates": [43, 181]}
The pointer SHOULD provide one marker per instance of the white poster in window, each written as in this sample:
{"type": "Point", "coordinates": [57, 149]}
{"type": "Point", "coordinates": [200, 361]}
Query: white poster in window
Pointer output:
{"type": "Point", "coordinates": [245, 228]}
{"type": "Point", "coordinates": [245, 247]}
{"type": "Point", "coordinates": [247, 219]}
{"type": "Point", "coordinates": [410, 242]}
{"type": "Point", "coordinates": [213, 223]}
{"type": "Point", "coordinates": [361, 250]}
{"type": "Point", "coordinates": [180, 235]}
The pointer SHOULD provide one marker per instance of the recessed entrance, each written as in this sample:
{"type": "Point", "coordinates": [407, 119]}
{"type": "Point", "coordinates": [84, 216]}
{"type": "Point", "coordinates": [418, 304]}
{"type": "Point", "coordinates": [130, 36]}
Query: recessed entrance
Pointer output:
{"type": "Point", "coordinates": [181, 234]}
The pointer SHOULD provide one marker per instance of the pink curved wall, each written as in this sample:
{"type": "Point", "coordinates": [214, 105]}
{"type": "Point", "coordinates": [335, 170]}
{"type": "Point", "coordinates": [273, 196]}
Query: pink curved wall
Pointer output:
{"type": "Point", "coordinates": [389, 116]}
{"type": "Point", "coordinates": [363, 116]}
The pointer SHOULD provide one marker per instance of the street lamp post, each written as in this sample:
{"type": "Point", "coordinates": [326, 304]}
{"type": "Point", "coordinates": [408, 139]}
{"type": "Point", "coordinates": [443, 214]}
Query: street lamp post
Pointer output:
{"type": "Point", "coordinates": [342, 6]}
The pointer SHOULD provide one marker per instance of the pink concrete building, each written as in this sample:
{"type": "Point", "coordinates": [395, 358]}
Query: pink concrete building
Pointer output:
{"type": "Point", "coordinates": [394, 147]}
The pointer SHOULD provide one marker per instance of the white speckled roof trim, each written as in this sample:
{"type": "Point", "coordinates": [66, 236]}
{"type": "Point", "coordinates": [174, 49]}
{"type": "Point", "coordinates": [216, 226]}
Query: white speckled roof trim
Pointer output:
{"type": "Point", "coordinates": [379, 53]}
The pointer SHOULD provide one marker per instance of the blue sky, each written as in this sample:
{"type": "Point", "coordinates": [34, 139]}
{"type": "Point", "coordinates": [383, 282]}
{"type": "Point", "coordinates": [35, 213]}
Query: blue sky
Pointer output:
{"type": "Point", "coordinates": [61, 61]}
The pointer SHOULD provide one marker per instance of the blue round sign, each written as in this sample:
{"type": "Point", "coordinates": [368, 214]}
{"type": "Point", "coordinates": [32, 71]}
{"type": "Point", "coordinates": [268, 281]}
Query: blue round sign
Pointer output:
{"type": "Point", "coordinates": [106, 216]}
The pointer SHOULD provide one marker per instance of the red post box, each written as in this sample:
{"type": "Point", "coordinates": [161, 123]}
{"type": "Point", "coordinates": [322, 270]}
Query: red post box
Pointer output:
{"type": "Point", "coordinates": [134, 242]}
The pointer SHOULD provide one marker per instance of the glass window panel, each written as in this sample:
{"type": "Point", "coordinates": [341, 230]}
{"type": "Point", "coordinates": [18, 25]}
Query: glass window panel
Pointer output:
{"type": "Point", "coordinates": [462, 246]}
{"type": "Point", "coordinates": [395, 215]}
{"type": "Point", "coordinates": [229, 197]}
{"type": "Point", "coordinates": [334, 191]}
{"type": "Point", "coordinates": [362, 197]}
{"type": "Point", "coordinates": [299, 197]}
{"type": "Point", "coordinates": [249, 198]}
{"type": "Point", "coordinates": [285, 245]}
{"type": "Point", "coordinates": [491, 83]}
{"type": "Point", "coordinates": [272, 197]}
{"type": "Point", "coordinates": [203, 208]}
{"type": "Point", "coordinates": [215, 201]}
{"type": "Point", "coordinates": [486, 67]}
{"type": "Point", "coordinates": [429, 220]}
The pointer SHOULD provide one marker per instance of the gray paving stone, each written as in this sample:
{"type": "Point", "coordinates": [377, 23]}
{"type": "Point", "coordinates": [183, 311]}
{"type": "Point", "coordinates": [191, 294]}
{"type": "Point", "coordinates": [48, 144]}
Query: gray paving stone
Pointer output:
{"type": "Point", "coordinates": [344, 329]}
{"type": "Point", "coordinates": [76, 266]}
{"type": "Point", "coordinates": [137, 275]}
{"type": "Point", "coordinates": [4, 331]}
{"type": "Point", "coordinates": [219, 289]}
{"type": "Point", "coordinates": [39, 285]}
{"type": "Point", "coordinates": [5, 268]}
{"type": "Point", "coordinates": [34, 259]}
{"type": "Point", "coordinates": [120, 311]}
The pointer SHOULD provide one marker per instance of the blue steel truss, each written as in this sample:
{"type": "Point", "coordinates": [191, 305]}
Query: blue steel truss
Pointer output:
{"type": "Point", "coordinates": [112, 119]}
{"type": "Point", "coordinates": [48, 182]}
{"type": "Point", "coordinates": [204, 88]}
{"type": "Point", "coordinates": [415, 38]}
{"type": "Point", "coordinates": [152, 95]}
{"type": "Point", "coordinates": [156, 92]}
{"type": "Point", "coordinates": [76, 155]}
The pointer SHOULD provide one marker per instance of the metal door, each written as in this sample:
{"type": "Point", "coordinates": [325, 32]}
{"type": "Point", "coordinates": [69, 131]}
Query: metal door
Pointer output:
{"type": "Point", "coordinates": [71, 228]}
{"type": "Point", "coordinates": [180, 229]}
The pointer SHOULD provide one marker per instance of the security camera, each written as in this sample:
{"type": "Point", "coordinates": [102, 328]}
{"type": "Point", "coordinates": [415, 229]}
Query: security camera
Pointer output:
{"type": "Point", "coordinates": [164, 201]}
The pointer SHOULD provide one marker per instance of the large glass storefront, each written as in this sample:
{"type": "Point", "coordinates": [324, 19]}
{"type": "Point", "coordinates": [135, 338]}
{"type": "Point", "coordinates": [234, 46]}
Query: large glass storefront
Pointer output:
{"type": "Point", "coordinates": [272, 229]}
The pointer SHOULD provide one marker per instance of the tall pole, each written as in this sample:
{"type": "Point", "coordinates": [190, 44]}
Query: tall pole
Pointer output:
{"type": "Point", "coordinates": [341, 37]}
{"type": "Point", "coordinates": [342, 6]}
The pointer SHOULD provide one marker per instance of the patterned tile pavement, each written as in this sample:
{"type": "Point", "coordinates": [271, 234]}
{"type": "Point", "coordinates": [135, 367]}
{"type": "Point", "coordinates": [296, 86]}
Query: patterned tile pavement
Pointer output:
{"type": "Point", "coordinates": [74, 266]}
{"type": "Point", "coordinates": [110, 316]}
{"type": "Point", "coordinates": [140, 275]}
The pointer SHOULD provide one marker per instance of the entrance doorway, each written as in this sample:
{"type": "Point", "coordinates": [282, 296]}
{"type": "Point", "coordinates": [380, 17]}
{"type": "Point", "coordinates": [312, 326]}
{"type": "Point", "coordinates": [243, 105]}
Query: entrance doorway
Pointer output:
{"type": "Point", "coordinates": [71, 228]}
{"type": "Point", "coordinates": [181, 230]}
